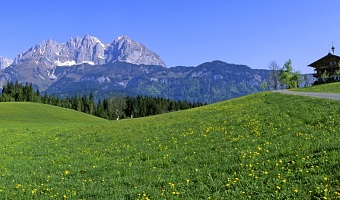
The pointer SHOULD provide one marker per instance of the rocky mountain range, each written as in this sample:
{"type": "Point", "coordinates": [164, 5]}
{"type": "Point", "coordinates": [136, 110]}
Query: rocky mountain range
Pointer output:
{"type": "Point", "coordinates": [86, 65]}
{"type": "Point", "coordinates": [89, 50]}
{"type": "Point", "coordinates": [37, 64]}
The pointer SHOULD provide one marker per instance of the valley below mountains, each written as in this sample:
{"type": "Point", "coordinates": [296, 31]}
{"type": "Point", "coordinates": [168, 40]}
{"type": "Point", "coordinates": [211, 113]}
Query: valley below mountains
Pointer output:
{"type": "Point", "coordinates": [85, 65]}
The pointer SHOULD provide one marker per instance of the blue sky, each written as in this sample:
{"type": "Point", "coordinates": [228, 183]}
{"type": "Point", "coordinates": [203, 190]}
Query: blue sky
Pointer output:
{"type": "Point", "coordinates": [183, 32]}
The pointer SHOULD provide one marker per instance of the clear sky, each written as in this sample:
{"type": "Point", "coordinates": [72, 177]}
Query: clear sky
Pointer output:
{"type": "Point", "coordinates": [183, 32]}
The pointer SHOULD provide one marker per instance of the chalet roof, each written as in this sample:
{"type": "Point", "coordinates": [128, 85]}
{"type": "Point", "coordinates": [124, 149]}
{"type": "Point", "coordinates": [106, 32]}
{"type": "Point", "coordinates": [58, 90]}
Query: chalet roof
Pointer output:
{"type": "Point", "coordinates": [329, 55]}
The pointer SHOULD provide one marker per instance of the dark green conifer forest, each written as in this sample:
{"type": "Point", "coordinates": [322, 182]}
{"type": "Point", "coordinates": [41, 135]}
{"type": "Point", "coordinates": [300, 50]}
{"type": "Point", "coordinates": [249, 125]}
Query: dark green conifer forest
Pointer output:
{"type": "Point", "coordinates": [117, 106]}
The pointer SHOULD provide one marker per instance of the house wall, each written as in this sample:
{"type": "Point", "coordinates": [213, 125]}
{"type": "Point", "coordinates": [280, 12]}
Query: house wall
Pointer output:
{"type": "Point", "coordinates": [329, 64]}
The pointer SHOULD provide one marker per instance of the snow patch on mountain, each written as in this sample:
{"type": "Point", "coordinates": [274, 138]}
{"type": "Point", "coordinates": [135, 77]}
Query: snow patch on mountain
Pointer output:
{"type": "Point", "coordinates": [66, 63]}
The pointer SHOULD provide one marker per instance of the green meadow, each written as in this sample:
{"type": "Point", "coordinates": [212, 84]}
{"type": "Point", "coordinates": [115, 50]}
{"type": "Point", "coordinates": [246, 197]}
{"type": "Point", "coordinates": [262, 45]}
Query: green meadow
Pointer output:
{"type": "Point", "coordinates": [262, 146]}
{"type": "Point", "coordinates": [330, 87]}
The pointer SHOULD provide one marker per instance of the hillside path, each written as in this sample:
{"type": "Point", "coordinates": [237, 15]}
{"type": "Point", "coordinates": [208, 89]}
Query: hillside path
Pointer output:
{"type": "Point", "coordinates": [324, 95]}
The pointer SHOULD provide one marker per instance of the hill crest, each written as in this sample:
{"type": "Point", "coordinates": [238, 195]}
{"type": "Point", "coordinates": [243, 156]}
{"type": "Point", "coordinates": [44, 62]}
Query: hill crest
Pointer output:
{"type": "Point", "coordinates": [41, 114]}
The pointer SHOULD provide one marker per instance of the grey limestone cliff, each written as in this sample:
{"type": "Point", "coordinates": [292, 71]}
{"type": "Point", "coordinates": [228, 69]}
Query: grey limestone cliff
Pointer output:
{"type": "Point", "coordinates": [89, 50]}
{"type": "Point", "coordinates": [126, 50]}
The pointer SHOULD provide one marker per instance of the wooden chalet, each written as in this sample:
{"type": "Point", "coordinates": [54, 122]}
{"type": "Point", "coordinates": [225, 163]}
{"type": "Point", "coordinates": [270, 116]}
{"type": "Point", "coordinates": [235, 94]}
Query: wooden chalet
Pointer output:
{"type": "Point", "coordinates": [328, 64]}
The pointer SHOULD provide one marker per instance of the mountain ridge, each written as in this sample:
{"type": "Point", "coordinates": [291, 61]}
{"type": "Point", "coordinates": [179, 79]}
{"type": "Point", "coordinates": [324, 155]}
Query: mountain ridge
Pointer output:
{"type": "Point", "coordinates": [86, 65]}
{"type": "Point", "coordinates": [37, 64]}
{"type": "Point", "coordinates": [90, 49]}
{"type": "Point", "coordinates": [209, 82]}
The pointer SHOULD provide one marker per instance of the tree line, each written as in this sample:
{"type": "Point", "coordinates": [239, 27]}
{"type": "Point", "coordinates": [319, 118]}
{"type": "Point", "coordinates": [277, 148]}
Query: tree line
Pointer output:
{"type": "Point", "coordinates": [116, 106]}
{"type": "Point", "coordinates": [285, 77]}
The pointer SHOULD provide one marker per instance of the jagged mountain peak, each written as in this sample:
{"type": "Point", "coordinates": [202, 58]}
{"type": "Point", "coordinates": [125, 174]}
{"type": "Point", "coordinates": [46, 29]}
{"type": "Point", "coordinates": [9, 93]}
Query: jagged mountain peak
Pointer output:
{"type": "Point", "coordinates": [38, 64]}
{"type": "Point", "coordinates": [90, 49]}
{"type": "Point", "coordinates": [126, 42]}
{"type": "Point", "coordinates": [92, 39]}
{"type": "Point", "coordinates": [123, 38]}
{"type": "Point", "coordinates": [125, 49]}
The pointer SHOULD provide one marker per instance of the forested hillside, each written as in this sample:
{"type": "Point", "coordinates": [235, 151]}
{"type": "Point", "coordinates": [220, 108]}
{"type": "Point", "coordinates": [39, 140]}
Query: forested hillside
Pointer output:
{"type": "Point", "coordinates": [206, 83]}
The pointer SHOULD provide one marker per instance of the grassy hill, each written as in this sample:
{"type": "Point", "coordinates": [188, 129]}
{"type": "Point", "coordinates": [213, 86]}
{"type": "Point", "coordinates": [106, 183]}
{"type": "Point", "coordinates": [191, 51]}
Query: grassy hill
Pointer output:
{"type": "Point", "coordinates": [330, 87]}
{"type": "Point", "coordinates": [24, 114]}
{"type": "Point", "coordinates": [262, 146]}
